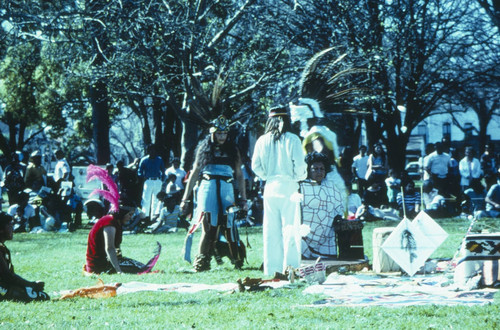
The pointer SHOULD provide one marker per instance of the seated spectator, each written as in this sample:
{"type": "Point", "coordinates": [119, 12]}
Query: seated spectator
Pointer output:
{"type": "Point", "coordinates": [353, 201]}
{"type": "Point", "coordinates": [409, 201]}
{"type": "Point", "coordinates": [322, 202]}
{"type": "Point", "coordinates": [393, 184]}
{"type": "Point", "coordinates": [474, 202]}
{"type": "Point", "coordinates": [168, 218]}
{"type": "Point", "coordinates": [375, 195]}
{"type": "Point", "coordinates": [23, 213]}
{"type": "Point", "coordinates": [12, 286]}
{"type": "Point", "coordinates": [255, 213]}
{"type": "Point", "coordinates": [434, 203]}
{"type": "Point", "coordinates": [493, 200]}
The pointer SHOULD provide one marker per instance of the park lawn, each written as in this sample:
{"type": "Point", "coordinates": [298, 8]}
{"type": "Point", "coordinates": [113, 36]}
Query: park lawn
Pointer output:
{"type": "Point", "coordinates": [58, 258]}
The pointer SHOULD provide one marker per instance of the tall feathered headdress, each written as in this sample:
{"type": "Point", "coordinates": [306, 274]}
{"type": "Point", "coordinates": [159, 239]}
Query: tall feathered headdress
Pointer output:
{"type": "Point", "coordinates": [328, 85]}
{"type": "Point", "coordinates": [112, 194]}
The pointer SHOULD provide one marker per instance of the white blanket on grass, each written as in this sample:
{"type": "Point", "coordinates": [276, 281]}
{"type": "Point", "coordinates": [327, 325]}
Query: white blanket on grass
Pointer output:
{"type": "Point", "coordinates": [395, 291]}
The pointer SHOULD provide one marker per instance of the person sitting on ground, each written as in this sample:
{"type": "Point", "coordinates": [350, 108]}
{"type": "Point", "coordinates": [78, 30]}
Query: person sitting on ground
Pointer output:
{"type": "Point", "coordinates": [409, 201]}
{"type": "Point", "coordinates": [434, 203]}
{"type": "Point", "coordinates": [474, 200]}
{"type": "Point", "coordinates": [353, 201]}
{"type": "Point", "coordinates": [168, 218]}
{"type": "Point", "coordinates": [105, 237]}
{"type": "Point", "coordinates": [322, 202]}
{"type": "Point", "coordinates": [493, 199]}
{"type": "Point", "coordinates": [375, 195]}
{"type": "Point", "coordinates": [24, 214]}
{"type": "Point", "coordinates": [12, 286]}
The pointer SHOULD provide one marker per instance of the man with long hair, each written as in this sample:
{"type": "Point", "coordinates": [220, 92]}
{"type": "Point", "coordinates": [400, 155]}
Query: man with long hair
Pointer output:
{"type": "Point", "coordinates": [278, 159]}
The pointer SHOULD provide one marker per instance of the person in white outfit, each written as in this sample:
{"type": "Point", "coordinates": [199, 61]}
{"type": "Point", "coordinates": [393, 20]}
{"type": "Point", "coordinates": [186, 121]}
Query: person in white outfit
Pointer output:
{"type": "Point", "coordinates": [278, 159]}
{"type": "Point", "coordinates": [470, 168]}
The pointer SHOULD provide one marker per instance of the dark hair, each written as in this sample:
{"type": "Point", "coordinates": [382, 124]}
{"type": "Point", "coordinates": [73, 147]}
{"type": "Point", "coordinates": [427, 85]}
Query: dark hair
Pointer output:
{"type": "Point", "coordinates": [273, 125]}
{"type": "Point", "coordinates": [317, 157]}
{"type": "Point", "coordinates": [5, 219]}
{"type": "Point", "coordinates": [205, 152]}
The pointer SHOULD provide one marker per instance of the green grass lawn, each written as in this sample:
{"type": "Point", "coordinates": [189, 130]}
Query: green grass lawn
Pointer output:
{"type": "Point", "coordinates": [58, 258]}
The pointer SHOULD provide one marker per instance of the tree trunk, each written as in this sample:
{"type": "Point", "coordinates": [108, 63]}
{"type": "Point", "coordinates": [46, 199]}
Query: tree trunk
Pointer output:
{"type": "Point", "coordinates": [100, 121]}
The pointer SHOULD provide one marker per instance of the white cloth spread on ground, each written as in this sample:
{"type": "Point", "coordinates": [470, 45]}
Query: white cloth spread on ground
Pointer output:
{"type": "Point", "coordinates": [395, 291]}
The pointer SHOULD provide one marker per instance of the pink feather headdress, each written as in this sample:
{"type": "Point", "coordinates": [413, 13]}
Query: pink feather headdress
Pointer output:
{"type": "Point", "coordinates": [112, 195]}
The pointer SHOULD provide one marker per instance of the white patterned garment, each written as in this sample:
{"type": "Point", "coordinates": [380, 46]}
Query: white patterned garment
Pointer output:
{"type": "Point", "coordinates": [321, 203]}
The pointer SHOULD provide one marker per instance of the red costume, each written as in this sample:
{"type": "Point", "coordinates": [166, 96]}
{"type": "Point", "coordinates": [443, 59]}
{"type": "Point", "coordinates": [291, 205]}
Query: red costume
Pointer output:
{"type": "Point", "coordinates": [97, 261]}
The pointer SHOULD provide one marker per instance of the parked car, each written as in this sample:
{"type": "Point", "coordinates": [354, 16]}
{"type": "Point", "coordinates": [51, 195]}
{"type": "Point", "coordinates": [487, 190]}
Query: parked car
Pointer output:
{"type": "Point", "coordinates": [413, 170]}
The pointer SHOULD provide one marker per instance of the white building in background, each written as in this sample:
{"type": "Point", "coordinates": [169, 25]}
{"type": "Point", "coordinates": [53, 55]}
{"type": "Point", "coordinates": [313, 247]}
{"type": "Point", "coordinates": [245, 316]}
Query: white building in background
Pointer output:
{"type": "Point", "coordinates": [437, 126]}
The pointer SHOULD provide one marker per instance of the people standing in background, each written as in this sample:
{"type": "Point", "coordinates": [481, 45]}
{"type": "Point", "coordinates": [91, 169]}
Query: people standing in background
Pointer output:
{"type": "Point", "coordinates": [179, 173]}
{"type": "Point", "coordinates": [393, 184]}
{"type": "Point", "coordinates": [152, 172]}
{"type": "Point", "coordinates": [359, 168]}
{"type": "Point", "coordinates": [36, 174]}
{"type": "Point", "coordinates": [62, 171]}
{"type": "Point", "coordinates": [437, 167]}
{"type": "Point", "coordinates": [278, 159]}
{"type": "Point", "coordinates": [377, 166]}
{"type": "Point", "coordinates": [470, 168]}
{"type": "Point", "coordinates": [489, 166]}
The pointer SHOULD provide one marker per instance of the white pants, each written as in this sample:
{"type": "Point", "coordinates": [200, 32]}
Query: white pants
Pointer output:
{"type": "Point", "coordinates": [149, 200]}
{"type": "Point", "coordinates": [280, 228]}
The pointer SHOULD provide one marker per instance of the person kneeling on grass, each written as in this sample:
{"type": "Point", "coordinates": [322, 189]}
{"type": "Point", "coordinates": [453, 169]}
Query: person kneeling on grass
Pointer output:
{"type": "Point", "coordinates": [13, 286]}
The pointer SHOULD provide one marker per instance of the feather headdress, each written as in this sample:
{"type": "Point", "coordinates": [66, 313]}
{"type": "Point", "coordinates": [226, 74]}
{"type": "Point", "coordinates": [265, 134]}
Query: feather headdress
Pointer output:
{"type": "Point", "coordinates": [330, 86]}
{"type": "Point", "coordinates": [112, 195]}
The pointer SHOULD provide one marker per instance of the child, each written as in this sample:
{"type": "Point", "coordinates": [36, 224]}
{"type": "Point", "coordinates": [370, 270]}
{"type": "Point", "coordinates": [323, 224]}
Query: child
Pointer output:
{"type": "Point", "coordinates": [13, 286]}
{"type": "Point", "coordinates": [393, 184]}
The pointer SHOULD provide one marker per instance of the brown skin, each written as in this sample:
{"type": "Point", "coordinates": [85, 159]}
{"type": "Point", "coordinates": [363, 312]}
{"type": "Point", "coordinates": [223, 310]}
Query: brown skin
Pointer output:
{"type": "Point", "coordinates": [7, 232]}
{"type": "Point", "coordinates": [219, 138]}
{"type": "Point", "coordinates": [109, 233]}
{"type": "Point", "coordinates": [317, 172]}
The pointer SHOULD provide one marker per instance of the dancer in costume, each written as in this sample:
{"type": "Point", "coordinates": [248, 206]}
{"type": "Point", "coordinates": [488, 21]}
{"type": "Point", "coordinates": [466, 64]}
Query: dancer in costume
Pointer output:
{"type": "Point", "coordinates": [278, 160]}
{"type": "Point", "coordinates": [322, 202]}
{"type": "Point", "coordinates": [105, 237]}
{"type": "Point", "coordinates": [13, 286]}
{"type": "Point", "coordinates": [217, 164]}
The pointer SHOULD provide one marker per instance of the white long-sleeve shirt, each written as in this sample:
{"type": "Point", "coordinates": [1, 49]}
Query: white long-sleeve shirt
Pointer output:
{"type": "Point", "coordinates": [282, 159]}
{"type": "Point", "coordinates": [469, 170]}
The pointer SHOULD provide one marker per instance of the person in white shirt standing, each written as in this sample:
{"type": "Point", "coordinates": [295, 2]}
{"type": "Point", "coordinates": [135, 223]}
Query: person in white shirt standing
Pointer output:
{"type": "Point", "coordinates": [359, 168]}
{"type": "Point", "coordinates": [180, 174]}
{"type": "Point", "coordinates": [278, 159]}
{"type": "Point", "coordinates": [469, 167]}
{"type": "Point", "coordinates": [62, 170]}
{"type": "Point", "coordinates": [437, 166]}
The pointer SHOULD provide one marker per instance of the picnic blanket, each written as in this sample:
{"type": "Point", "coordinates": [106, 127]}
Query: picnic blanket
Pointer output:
{"type": "Point", "coordinates": [395, 291]}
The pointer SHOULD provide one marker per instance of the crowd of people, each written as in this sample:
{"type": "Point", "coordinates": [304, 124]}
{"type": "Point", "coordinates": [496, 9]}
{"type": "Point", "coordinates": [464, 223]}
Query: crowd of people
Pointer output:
{"type": "Point", "coordinates": [296, 188]}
